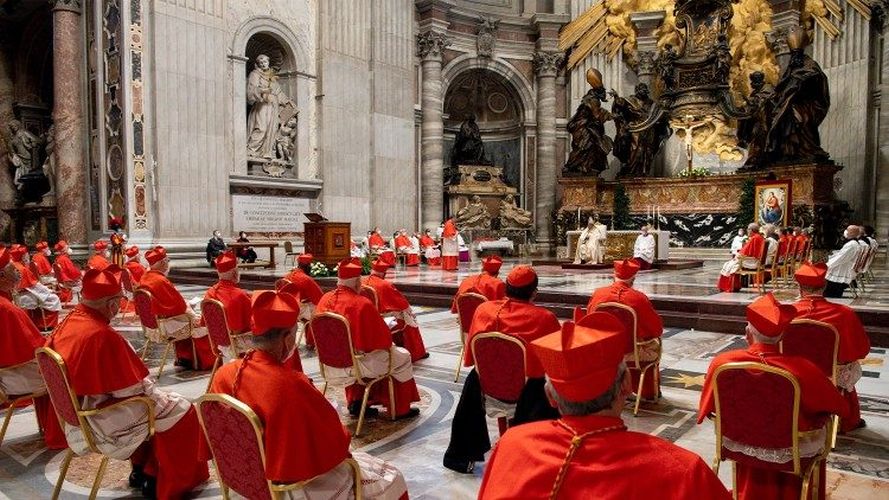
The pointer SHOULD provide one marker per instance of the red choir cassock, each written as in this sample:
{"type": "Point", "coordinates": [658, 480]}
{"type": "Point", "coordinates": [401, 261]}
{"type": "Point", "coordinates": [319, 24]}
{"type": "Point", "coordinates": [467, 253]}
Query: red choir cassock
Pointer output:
{"type": "Point", "coordinates": [854, 342]}
{"type": "Point", "coordinates": [100, 361]}
{"type": "Point", "coordinates": [818, 398]}
{"type": "Point", "coordinates": [517, 318]}
{"type": "Point", "coordinates": [17, 344]}
{"type": "Point", "coordinates": [783, 247]}
{"type": "Point", "coordinates": [305, 286]}
{"type": "Point", "coordinates": [591, 456]}
{"type": "Point", "coordinates": [648, 323]}
{"type": "Point", "coordinates": [369, 333]}
{"type": "Point", "coordinates": [43, 320]}
{"type": "Point", "coordinates": [390, 301]}
{"type": "Point", "coordinates": [426, 241]}
{"type": "Point", "coordinates": [755, 247]}
{"type": "Point", "coordinates": [98, 260]}
{"type": "Point", "coordinates": [485, 283]}
{"type": "Point", "coordinates": [375, 240]}
{"type": "Point", "coordinates": [133, 265]}
{"type": "Point", "coordinates": [41, 262]}
{"type": "Point", "coordinates": [801, 241]}
{"type": "Point", "coordinates": [168, 302]}
{"type": "Point", "coordinates": [68, 272]}
{"type": "Point", "coordinates": [450, 252]}
{"type": "Point", "coordinates": [411, 259]}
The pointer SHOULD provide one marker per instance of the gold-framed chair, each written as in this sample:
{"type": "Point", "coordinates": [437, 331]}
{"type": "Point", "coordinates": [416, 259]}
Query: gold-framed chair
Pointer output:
{"type": "Point", "coordinates": [67, 407]}
{"type": "Point", "coordinates": [235, 435]}
{"type": "Point", "coordinates": [499, 361]}
{"type": "Point", "coordinates": [745, 383]}
{"type": "Point", "coordinates": [61, 284]}
{"type": "Point", "coordinates": [627, 317]}
{"type": "Point", "coordinates": [13, 400]}
{"type": "Point", "coordinates": [819, 342]}
{"type": "Point", "coordinates": [151, 330]}
{"type": "Point", "coordinates": [219, 333]}
{"type": "Point", "coordinates": [126, 281]}
{"type": "Point", "coordinates": [788, 266]}
{"type": "Point", "coordinates": [370, 293]}
{"type": "Point", "coordinates": [467, 303]}
{"type": "Point", "coordinates": [754, 268]}
{"type": "Point", "coordinates": [333, 343]}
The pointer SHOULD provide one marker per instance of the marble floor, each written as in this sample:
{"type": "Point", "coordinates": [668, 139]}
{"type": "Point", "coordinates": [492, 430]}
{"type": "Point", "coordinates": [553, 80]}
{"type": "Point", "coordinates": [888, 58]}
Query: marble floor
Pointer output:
{"type": "Point", "coordinates": [858, 468]}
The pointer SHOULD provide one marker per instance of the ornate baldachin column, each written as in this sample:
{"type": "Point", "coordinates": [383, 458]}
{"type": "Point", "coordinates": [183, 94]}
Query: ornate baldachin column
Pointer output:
{"type": "Point", "coordinates": [647, 25]}
{"type": "Point", "coordinates": [68, 120]}
{"type": "Point", "coordinates": [429, 48]}
{"type": "Point", "coordinates": [546, 65]}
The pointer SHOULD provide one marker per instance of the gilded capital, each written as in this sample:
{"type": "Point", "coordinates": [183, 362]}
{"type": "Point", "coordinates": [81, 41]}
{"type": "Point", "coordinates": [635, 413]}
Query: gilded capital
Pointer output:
{"type": "Point", "coordinates": [431, 43]}
{"type": "Point", "coordinates": [548, 63]}
{"type": "Point", "coordinates": [69, 5]}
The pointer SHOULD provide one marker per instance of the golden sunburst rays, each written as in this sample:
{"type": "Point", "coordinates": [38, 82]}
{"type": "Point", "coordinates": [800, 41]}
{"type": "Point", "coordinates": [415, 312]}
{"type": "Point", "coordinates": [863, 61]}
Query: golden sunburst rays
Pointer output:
{"type": "Point", "coordinates": [587, 33]}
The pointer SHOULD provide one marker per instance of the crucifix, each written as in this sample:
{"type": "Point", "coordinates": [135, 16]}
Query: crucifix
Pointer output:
{"type": "Point", "coordinates": [688, 128]}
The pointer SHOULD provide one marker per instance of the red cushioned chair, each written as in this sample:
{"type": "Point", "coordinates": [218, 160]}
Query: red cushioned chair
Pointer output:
{"type": "Point", "coordinates": [213, 314]}
{"type": "Point", "coordinates": [64, 289]}
{"type": "Point", "coordinates": [467, 303]}
{"type": "Point", "coordinates": [235, 435]}
{"type": "Point", "coordinates": [67, 406]}
{"type": "Point", "coordinates": [737, 388]}
{"type": "Point", "coordinates": [14, 401]}
{"type": "Point", "coordinates": [126, 280]}
{"type": "Point", "coordinates": [500, 364]}
{"type": "Point", "coordinates": [150, 327]}
{"type": "Point", "coordinates": [333, 342]}
{"type": "Point", "coordinates": [370, 293]}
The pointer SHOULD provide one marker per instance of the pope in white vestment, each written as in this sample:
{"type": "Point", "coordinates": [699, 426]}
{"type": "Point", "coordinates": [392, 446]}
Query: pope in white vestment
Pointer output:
{"type": "Point", "coordinates": [591, 243]}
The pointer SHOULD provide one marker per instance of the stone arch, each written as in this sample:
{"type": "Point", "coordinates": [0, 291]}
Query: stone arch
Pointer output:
{"type": "Point", "coordinates": [272, 27]}
{"type": "Point", "coordinates": [522, 87]}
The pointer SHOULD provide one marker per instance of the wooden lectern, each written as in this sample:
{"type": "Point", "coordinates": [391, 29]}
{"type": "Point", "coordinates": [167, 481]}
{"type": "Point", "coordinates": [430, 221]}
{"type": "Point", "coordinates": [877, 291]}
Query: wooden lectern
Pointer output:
{"type": "Point", "coordinates": [328, 242]}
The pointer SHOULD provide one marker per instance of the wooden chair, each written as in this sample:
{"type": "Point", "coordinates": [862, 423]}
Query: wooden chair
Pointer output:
{"type": "Point", "coordinates": [288, 252]}
{"type": "Point", "coordinates": [67, 406]}
{"type": "Point", "coordinates": [819, 342]}
{"type": "Point", "coordinates": [235, 435]}
{"type": "Point", "coordinates": [219, 333]}
{"type": "Point", "coordinates": [467, 303]}
{"type": "Point", "coordinates": [500, 364]}
{"type": "Point", "coordinates": [150, 327]}
{"type": "Point", "coordinates": [736, 387]}
{"type": "Point", "coordinates": [333, 342]}
{"type": "Point", "coordinates": [627, 317]}
{"type": "Point", "coordinates": [14, 400]}
{"type": "Point", "coordinates": [788, 267]}
{"type": "Point", "coordinates": [126, 280]}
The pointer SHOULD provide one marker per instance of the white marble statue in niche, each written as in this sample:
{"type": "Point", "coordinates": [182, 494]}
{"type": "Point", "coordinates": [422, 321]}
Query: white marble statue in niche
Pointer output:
{"type": "Point", "coordinates": [269, 108]}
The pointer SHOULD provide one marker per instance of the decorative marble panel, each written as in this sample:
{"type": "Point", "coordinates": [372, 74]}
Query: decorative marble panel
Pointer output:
{"type": "Point", "coordinates": [140, 214]}
{"type": "Point", "coordinates": [113, 98]}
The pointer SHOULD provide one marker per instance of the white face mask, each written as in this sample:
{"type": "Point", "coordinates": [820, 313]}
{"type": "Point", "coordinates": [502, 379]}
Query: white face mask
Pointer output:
{"type": "Point", "coordinates": [846, 234]}
{"type": "Point", "coordinates": [47, 252]}
{"type": "Point", "coordinates": [69, 251]}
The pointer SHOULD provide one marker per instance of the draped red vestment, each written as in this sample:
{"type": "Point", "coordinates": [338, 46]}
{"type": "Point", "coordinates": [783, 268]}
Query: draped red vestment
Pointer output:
{"type": "Point", "coordinates": [755, 247]}
{"type": "Point", "coordinates": [390, 301]}
{"type": "Point", "coordinates": [236, 303]}
{"type": "Point", "coordinates": [42, 263]}
{"type": "Point", "coordinates": [490, 286]}
{"type": "Point", "coordinates": [97, 261]}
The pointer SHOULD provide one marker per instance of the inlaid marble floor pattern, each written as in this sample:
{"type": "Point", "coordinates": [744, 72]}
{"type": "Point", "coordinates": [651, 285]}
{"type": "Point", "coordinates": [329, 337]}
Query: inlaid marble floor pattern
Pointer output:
{"type": "Point", "coordinates": [858, 469]}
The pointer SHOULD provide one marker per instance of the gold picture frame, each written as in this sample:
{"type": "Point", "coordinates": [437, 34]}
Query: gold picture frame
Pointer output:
{"type": "Point", "coordinates": [773, 203]}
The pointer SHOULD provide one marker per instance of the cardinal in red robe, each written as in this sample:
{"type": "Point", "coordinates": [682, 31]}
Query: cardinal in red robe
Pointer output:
{"type": "Point", "coordinates": [517, 316]}
{"type": "Point", "coordinates": [767, 320]}
{"type": "Point", "coordinates": [392, 304]}
{"type": "Point", "coordinates": [41, 265]}
{"type": "Point", "coordinates": [450, 248]}
{"type": "Point", "coordinates": [648, 323]}
{"type": "Point", "coordinates": [484, 283]}
{"type": "Point", "coordinates": [588, 452]}
{"type": "Point", "coordinates": [854, 342]}
{"type": "Point", "coordinates": [301, 282]}
{"type": "Point", "coordinates": [67, 274]}
{"type": "Point", "coordinates": [729, 281]}
{"type": "Point", "coordinates": [103, 368]}
{"type": "Point", "coordinates": [167, 303]}
{"type": "Point", "coordinates": [371, 336]}
{"type": "Point", "coordinates": [802, 243]}
{"type": "Point", "coordinates": [42, 304]}
{"type": "Point", "coordinates": [20, 338]}
{"type": "Point", "coordinates": [404, 246]}
{"type": "Point", "coordinates": [429, 248]}
{"type": "Point", "coordinates": [99, 259]}
{"type": "Point", "coordinates": [235, 301]}
{"type": "Point", "coordinates": [134, 265]}
{"type": "Point", "coordinates": [302, 433]}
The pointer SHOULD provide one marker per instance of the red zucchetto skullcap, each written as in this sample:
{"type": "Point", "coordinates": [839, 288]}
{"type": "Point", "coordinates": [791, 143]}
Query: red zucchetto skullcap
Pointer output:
{"type": "Point", "coordinates": [625, 269]}
{"type": "Point", "coordinates": [348, 269]}
{"type": "Point", "coordinates": [225, 262]}
{"type": "Point", "coordinates": [521, 276]}
{"type": "Point", "coordinates": [769, 316]}
{"type": "Point", "coordinates": [491, 264]}
{"type": "Point", "coordinates": [155, 255]}
{"type": "Point", "coordinates": [42, 246]}
{"type": "Point", "coordinates": [379, 266]}
{"type": "Point", "coordinates": [132, 251]}
{"type": "Point", "coordinates": [581, 362]}
{"type": "Point", "coordinates": [16, 252]}
{"type": "Point", "coordinates": [98, 284]}
{"type": "Point", "coordinates": [5, 258]}
{"type": "Point", "coordinates": [100, 245]}
{"type": "Point", "coordinates": [272, 309]}
{"type": "Point", "coordinates": [60, 246]}
{"type": "Point", "coordinates": [304, 259]}
{"type": "Point", "coordinates": [812, 275]}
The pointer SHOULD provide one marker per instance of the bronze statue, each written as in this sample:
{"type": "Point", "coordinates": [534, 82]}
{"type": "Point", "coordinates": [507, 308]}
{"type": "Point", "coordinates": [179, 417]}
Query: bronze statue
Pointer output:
{"type": "Point", "coordinates": [589, 144]}
{"type": "Point", "coordinates": [801, 102]}
{"type": "Point", "coordinates": [666, 68]}
{"type": "Point", "coordinates": [723, 54]}
{"type": "Point", "coordinates": [468, 146]}
{"type": "Point", "coordinates": [753, 128]}
{"type": "Point", "coordinates": [642, 127]}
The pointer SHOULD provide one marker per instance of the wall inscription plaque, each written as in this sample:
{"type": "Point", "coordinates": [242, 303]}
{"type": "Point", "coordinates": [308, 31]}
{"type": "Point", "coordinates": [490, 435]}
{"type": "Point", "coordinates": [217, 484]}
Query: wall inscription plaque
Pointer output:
{"type": "Point", "coordinates": [268, 214]}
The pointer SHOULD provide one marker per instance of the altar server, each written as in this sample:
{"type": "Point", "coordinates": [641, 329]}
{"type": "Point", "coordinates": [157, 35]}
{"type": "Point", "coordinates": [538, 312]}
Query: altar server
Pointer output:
{"type": "Point", "coordinates": [450, 247]}
{"type": "Point", "coordinates": [588, 452]}
{"type": "Point", "coordinates": [17, 344]}
{"type": "Point", "coordinates": [392, 304]}
{"type": "Point", "coordinates": [168, 303]}
{"type": "Point", "coordinates": [302, 433]}
{"type": "Point", "coordinates": [103, 368]}
{"type": "Point", "coordinates": [485, 283]}
{"type": "Point", "coordinates": [518, 316]}
{"type": "Point", "coordinates": [644, 249]}
{"type": "Point", "coordinates": [854, 342]}
{"type": "Point", "coordinates": [729, 281]}
{"type": "Point", "coordinates": [767, 321]}
{"type": "Point", "coordinates": [841, 264]}
{"type": "Point", "coordinates": [371, 336]}
{"type": "Point", "coordinates": [648, 323]}
{"type": "Point", "coordinates": [99, 258]}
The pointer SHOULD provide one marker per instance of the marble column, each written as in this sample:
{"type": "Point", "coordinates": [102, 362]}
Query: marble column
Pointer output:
{"type": "Point", "coordinates": [7, 191]}
{"type": "Point", "coordinates": [68, 116]}
{"type": "Point", "coordinates": [429, 47]}
{"type": "Point", "coordinates": [881, 177]}
{"type": "Point", "coordinates": [547, 65]}
{"type": "Point", "coordinates": [785, 18]}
